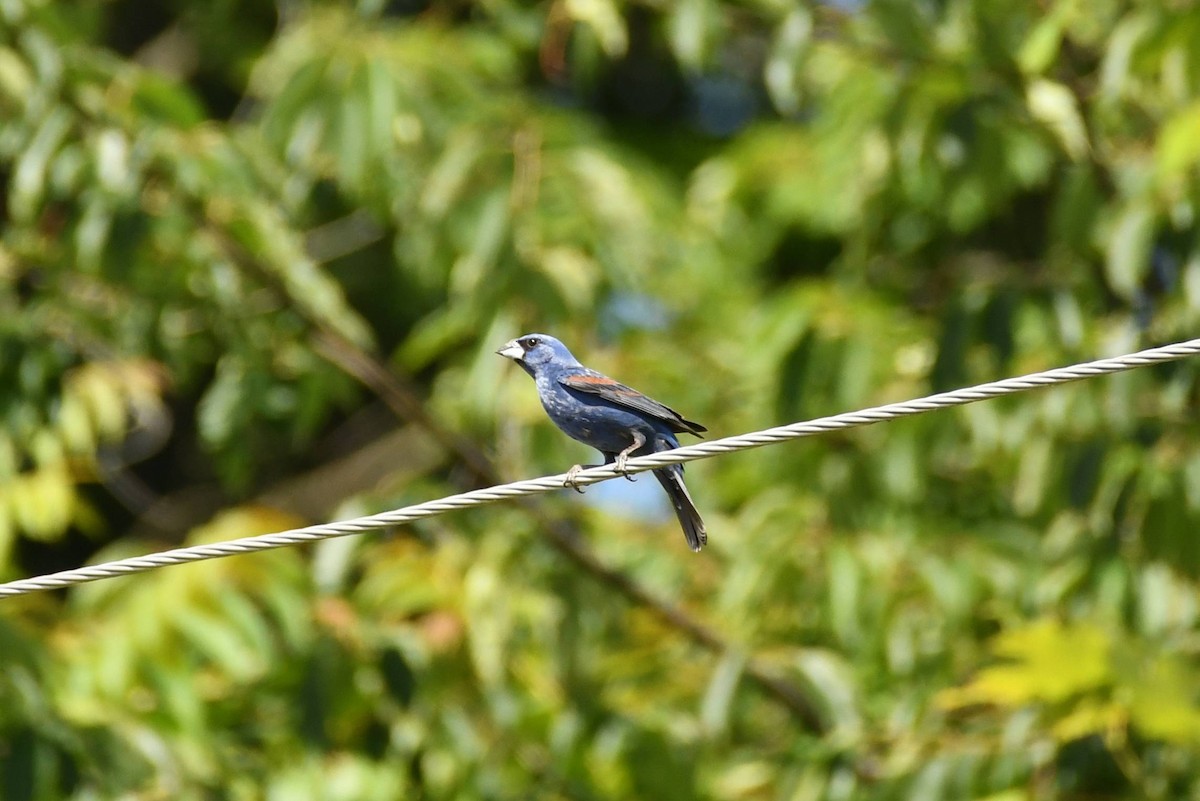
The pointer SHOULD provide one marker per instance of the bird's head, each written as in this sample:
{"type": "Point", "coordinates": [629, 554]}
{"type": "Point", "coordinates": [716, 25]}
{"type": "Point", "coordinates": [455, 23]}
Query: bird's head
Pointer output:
{"type": "Point", "coordinates": [536, 351]}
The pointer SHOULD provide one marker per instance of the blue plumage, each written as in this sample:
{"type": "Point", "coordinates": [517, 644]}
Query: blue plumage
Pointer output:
{"type": "Point", "coordinates": [614, 419]}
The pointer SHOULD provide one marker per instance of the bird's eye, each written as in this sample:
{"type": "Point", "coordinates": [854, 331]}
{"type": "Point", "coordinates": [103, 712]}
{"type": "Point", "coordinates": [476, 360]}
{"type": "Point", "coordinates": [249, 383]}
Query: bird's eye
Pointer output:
{"type": "Point", "coordinates": [532, 342]}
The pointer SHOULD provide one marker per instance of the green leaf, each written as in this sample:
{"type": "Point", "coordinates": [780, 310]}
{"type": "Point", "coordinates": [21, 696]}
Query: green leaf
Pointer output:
{"type": "Point", "coordinates": [165, 101]}
{"type": "Point", "coordinates": [1055, 105]}
{"type": "Point", "coordinates": [834, 686]}
{"type": "Point", "coordinates": [450, 175]}
{"type": "Point", "coordinates": [688, 27]}
{"type": "Point", "coordinates": [28, 187]}
{"type": "Point", "coordinates": [224, 403]}
{"type": "Point", "coordinates": [16, 81]}
{"type": "Point", "coordinates": [605, 21]}
{"type": "Point", "coordinates": [783, 71]}
{"type": "Point", "coordinates": [1042, 46]}
{"type": "Point", "coordinates": [1128, 251]}
{"type": "Point", "coordinates": [718, 698]}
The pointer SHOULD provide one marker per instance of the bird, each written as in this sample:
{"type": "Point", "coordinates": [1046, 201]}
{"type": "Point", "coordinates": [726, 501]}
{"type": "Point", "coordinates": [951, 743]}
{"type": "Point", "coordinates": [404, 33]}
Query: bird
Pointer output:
{"type": "Point", "coordinates": [614, 419]}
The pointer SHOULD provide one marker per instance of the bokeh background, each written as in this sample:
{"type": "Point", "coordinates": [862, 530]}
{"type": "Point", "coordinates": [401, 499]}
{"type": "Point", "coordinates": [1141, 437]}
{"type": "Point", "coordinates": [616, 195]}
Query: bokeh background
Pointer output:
{"type": "Point", "coordinates": [255, 259]}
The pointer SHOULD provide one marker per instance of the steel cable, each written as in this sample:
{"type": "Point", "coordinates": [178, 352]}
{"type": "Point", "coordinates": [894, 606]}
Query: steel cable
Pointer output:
{"type": "Point", "coordinates": [535, 486]}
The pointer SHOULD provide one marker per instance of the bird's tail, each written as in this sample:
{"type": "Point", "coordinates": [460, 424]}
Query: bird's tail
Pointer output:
{"type": "Point", "coordinates": [671, 479]}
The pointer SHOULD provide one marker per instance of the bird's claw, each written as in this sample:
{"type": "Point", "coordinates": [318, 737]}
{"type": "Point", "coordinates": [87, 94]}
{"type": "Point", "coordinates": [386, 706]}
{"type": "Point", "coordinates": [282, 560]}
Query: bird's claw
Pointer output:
{"type": "Point", "coordinates": [621, 467]}
{"type": "Point", "coordinates": [572, 479]}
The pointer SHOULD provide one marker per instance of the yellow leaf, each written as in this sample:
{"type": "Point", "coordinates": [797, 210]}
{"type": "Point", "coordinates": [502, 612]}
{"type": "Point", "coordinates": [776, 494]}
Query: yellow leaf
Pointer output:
{"type": "Point", "coordinates": [1007, 795]}
{"type": "Point", "coordinates": [1179, 143]}
{"type": "Point", "coordinates": [99, 389]}
{"type": "Point", "coordinates": [43, 501]}
{"type": "Point", "coordinates": [8, 526]}
{"type": "Point", "coordinates": [1088, 718]}
{"type": "Point", "coordinates": [1163, 704]}
{"type": "Point", "coordinates": [75, 426]}
{"type": "Point", "coordinates": [244, 521]}
{"type": "Point", "coordinates": [1047, 662]}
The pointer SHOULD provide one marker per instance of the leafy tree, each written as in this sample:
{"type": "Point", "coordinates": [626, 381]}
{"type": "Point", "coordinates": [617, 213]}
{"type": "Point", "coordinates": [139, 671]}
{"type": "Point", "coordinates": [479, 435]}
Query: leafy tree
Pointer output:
{"type": "Point", "coordinates": [255, 259]}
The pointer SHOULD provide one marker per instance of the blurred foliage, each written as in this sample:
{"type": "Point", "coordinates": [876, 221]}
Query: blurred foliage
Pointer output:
{"type": "Point", "coordinates": [213, 214]}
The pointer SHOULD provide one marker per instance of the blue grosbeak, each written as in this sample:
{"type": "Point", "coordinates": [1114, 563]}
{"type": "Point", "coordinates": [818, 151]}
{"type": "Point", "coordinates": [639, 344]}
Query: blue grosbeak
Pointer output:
{"type": "Point", "coordinates": [612, 418]}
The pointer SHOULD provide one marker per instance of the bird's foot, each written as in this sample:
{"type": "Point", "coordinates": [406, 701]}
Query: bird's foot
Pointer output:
{"type": "Point", "coordinates": [572, 479]}
{"type": "Point", "coordinates": [639, 439]}
{"type": "Point", "coordinates": [620, 466]}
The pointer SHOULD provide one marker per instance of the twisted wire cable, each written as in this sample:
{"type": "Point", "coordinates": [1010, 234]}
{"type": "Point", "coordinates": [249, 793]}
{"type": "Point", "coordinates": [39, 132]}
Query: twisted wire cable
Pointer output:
{"type": "Point", "coordinates": [536, 486]}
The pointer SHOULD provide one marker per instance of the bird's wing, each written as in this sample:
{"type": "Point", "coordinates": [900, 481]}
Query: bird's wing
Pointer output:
{"type": "Point", "coordinates": [615, 392]}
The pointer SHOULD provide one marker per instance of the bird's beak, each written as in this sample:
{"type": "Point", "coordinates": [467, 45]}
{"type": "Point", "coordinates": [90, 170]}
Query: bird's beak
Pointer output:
{"type": "Point", "coordinates": [512, 350]}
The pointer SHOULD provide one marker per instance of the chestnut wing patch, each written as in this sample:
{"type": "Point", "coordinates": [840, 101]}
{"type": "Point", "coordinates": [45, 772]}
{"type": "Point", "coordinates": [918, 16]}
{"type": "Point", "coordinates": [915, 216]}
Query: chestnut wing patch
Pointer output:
{"type": "Point", "coordinates": [615, 392]}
